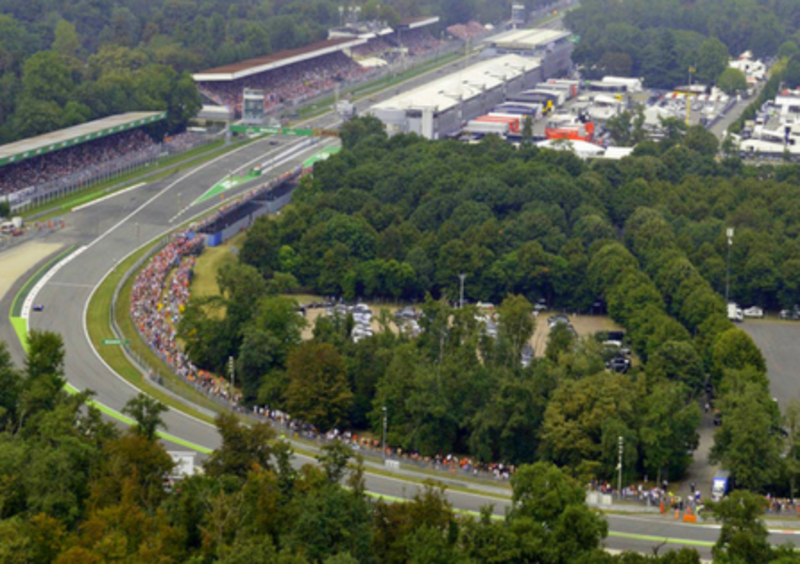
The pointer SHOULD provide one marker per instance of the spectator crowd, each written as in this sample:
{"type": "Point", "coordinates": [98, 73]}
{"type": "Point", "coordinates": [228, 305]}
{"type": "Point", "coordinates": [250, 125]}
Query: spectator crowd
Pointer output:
{"type": "Point", "coordinates": [158, 298]}
{"type": "Point", "coordinates": [80, 163]}
{"type": "Point", "coordinates": [289, 85]}
{"type": "Point", "coordinates": [467, 32]}
{"type": "Point", "coordinates": [296, 83]}
{"type": "Point", "coordinates": [416, 41]}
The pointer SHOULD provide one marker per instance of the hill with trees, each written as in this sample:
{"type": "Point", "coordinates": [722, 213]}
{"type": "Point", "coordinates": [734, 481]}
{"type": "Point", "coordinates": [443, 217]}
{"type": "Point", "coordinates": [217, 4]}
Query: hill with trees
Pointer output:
{"type": "Point", "coordinates": [661, 40]}
{"type": "Point", "coordinates": [402, 217]}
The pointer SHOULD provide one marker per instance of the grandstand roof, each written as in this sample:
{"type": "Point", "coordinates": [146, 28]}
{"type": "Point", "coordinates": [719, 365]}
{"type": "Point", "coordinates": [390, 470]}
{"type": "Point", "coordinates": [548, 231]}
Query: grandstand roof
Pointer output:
{"type": "Point", "coordinates": [258, 65]}
{"type": "Point", "coordinates": [55, 140]}
{"type": "Point", "coordinates": [414, 23]}
{"type": "Point", "coordinates": [465, 84]}
{"type": "Point", "coordinates": [527, 39]}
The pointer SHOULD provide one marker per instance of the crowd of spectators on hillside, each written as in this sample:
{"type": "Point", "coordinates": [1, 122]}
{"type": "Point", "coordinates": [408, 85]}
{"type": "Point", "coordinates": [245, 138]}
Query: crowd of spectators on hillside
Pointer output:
{"type": "Point", "coordinates": [372, 48]}
{"type": "Point", "coordinates": [289, 85]}
{"type": "Point", "coordinates": [185, 141]}
{"type": "Point", "coordinates": [158, 299]}
{"type": "Point", "coordinates": [80, 163]}
{"type": "Point", "coordinates": [467, 32]}
{"type": "Point", "coordinates": [416, 41]}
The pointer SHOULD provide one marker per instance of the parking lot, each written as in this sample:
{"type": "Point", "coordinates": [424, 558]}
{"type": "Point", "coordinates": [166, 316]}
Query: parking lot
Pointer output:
{"type": "Point", "coordinates": [778, 341]}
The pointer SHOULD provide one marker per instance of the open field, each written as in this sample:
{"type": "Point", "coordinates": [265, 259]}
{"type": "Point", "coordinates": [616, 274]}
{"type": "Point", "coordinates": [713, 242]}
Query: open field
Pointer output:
{"type": "Point", "coordinates": [17, 261]}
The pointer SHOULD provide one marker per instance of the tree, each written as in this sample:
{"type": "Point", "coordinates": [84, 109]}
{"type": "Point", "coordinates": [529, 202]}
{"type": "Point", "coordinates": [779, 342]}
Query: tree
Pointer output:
{"type": "Point", "coordinates": [46, 78]}
{"type": "Point", "coordinates": [318, 391]}
{"type": "Point", "coordinates": [549, 505]}
{"type": "Point", "coordinates": [66, 39]}
{"type": "Point", "coordinates": [44, 374]}
{"type": "Point", "coordinates": [732, 81]}
{"type": "Point", "coordinates": [735, 350]}
{"type": "Point", "coordinates": [5, 208]}
{"type": "Point", "coordinates": [700, 139]}
{"type": "Point", "coordinates": [243, 448]}
{"type": "Point", "coordinates": [146, 411]}
{"type": "Point", "coordinates": [744, 536]}
{"type": "Point", "coordinates": [527, 129]}
{"type": "Point", "coordinates": [668, 431]}
{"type": "Point", "coordinates": [678, 361]}
{"type": "Point", "coordinates": [333, 459]}
{"type": "Point", "coordinates": [516, 327]}
{"type": "Point", "coordinates": [359, 129]}
{"type": "Point", "coordinates": [712, 60]}
{"type": "Point", "coordinates": [791, 423]}
{"type": "Point", "coordinates": [749, 442]}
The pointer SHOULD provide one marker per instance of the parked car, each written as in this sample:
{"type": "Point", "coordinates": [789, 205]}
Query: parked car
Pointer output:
{"type": "Point", "coordinates": [754, 311]}
{"type": "Point", "coordinates": [527, 355]}
{"type": "Point", "coordinates": [793, 314]}
{"type": "Point", "coordinates": [558, 319]}
{"type": "Point", "coordinates": [619, 364]}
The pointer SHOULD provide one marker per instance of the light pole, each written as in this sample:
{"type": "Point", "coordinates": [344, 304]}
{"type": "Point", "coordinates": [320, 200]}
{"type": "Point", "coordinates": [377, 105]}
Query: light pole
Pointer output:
{"type": "Point", "coordinates": [461, 277]}
{"type": "Point", "coordinates": [231, 370]}
{"type": "Point", "coordinates": [729, 233]}
{"type": "Point", "coordinates": [619, 466]}
{"type": "Point", "coordinates": [384, 434]}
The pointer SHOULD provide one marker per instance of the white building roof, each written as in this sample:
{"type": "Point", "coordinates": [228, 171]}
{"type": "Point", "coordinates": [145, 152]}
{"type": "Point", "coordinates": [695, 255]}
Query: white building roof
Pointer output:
{"type": "Point", "coordinates": [527, 39]}
{"type": "Point", "coordinates": [585, 150]}
{"type": "Point", "coordinates": [466, 84]}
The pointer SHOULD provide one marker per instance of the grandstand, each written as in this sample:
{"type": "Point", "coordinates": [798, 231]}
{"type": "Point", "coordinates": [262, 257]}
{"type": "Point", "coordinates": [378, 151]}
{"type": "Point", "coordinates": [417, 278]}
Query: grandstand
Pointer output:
{"type": "Point", "coordinates": [62, 160]}
{"type": "Point", "coordinates": [352, 53]}
{"type": "Point", "coordinates": [288, 77]}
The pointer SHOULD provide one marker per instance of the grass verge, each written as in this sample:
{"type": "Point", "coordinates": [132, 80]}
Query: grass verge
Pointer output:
{"type": "Point", "coordinates": [98, 325]}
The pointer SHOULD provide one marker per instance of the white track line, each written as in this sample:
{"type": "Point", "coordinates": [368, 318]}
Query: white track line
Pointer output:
{"type": "Point", "coordinates": [104, 198]}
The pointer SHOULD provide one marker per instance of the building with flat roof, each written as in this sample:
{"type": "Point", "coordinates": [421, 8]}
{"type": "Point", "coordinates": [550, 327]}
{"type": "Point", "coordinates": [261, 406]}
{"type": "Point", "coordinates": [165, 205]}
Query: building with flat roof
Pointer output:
{"type": "Point", "coordinates": [63, 138]}
{"type": "Point", "coordinates": [440, 108]}
{"type": "Point", "coordinates": [551, 45]}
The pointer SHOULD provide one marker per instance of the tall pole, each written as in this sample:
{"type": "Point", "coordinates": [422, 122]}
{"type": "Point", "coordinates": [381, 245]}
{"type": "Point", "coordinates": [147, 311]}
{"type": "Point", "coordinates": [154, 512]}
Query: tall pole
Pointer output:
{"type": "Point", "coordinates": [728, 274]}
{"type": "Point", "coordinates": [384, 433]}
{"type": "Point", "coordinates": [461, 277]}
{"type": "Point", "coordinates": [619, 466]}
{"type": "Point", "coordinates": [233, 375]}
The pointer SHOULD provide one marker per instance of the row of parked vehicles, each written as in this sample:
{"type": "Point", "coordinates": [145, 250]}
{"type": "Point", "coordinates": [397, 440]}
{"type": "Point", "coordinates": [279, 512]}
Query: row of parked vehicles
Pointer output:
{"type": "Point", "coordinates": [737, 314]}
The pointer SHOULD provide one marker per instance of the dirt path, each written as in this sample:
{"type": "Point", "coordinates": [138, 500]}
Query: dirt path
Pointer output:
{"type": "Point", "coordinates": [585, 325]}
{"type": "Point", "coordinates": [18, 260]}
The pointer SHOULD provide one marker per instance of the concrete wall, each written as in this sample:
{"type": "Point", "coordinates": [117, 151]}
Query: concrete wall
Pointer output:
{"type": "Point", "coordinates": [264, 206]}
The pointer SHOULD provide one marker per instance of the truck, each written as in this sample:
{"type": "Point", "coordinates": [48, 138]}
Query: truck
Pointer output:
{"type": "Point", "coordinates": [735, 313]}
{"type": "Point", "coordinates": [722, 485]}
{"type": "Point", "coordinates": [486, 128]}
{"type": "Point", "coordinates": [512, 122]}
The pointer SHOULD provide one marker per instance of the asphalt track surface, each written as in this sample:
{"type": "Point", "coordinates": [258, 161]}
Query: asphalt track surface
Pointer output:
{"type": "Point", "coordinates": [109, 230]}
{"type": "Point", "coordinates": [778, 340]}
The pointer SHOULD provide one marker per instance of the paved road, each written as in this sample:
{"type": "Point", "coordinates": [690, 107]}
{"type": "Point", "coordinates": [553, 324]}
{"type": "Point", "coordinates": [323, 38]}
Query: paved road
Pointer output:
{"type": "Point", "coordinates": [108, 228]}
{"type": "Point", "coordinates": [778, 341]}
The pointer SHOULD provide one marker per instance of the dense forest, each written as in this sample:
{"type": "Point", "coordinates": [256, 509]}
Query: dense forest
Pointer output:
{"type": "Point", "coordinates": [75, 489]}
{"type": "Point", "coordinates": [661, 40]}
{"type": "Point", "coordinates": [401, 217]}
{"type": "Point", "coordinates": [62, 63]}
